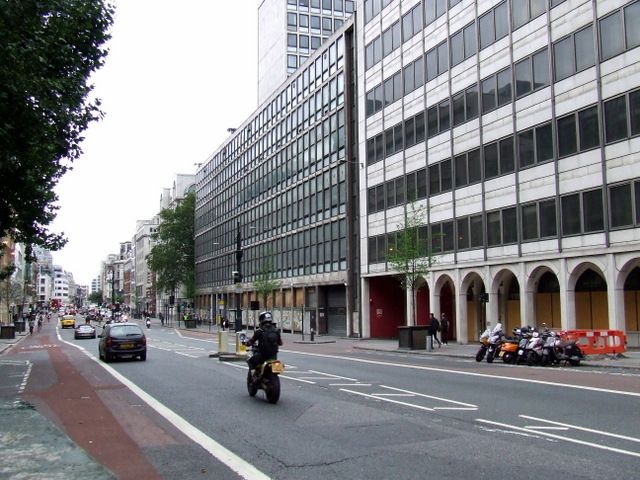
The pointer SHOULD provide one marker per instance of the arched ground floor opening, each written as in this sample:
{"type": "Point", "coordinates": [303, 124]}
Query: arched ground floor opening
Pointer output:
{"type": "Point", "coordinates": [590, 292]}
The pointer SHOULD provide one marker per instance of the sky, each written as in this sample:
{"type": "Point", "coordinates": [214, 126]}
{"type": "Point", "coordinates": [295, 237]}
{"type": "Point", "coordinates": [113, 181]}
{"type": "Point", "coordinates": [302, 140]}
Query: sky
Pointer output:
{"type": "Point", "coordinates": [178, 74]}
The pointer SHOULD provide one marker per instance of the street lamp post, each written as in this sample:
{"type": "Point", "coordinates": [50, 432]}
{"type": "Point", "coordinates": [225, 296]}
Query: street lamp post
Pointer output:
{"type": "Point", "coordinates": [238, 278]}
{"type": "Point", "coordinates": [113, 291]}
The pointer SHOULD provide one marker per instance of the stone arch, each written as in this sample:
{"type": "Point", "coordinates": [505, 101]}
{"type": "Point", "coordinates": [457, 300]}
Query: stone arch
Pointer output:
{"type": "Point", "coordinates": [422, 299]}
{"type": "Point", "coordinates": [444, 303]}
{"type": "Point", "coordinates": [628, 284]}
{"type": "Point", "coordinates": [544, 285]}
{"type": "Point", "coordinates": [588, 287]}
{"type": "Point", "coordinates": [472, 309]}
{"type": "Point", "coordinates": [506, 294]}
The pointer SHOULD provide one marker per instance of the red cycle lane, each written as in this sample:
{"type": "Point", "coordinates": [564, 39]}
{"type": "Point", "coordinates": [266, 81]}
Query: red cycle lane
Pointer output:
{"type": "Point", "coordinates": [98, 413]}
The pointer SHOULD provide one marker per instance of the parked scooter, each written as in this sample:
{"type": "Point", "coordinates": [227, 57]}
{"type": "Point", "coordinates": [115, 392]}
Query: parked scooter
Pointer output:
{"type": "Point", "coordinates": [495, 342]}
{"type": "Point", "coordinates": [558, 350]}
{"type": "Point", "coordinates": [509, 347]}
{"type": "Point", "coordinates": [148, 322]}
{"type": "Point", "coordinates": [484, 345]}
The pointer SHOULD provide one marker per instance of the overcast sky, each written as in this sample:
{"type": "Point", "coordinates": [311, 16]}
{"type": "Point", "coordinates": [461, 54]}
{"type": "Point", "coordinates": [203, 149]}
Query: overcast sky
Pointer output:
{"type": "Point", "coordinates": [177, 76]}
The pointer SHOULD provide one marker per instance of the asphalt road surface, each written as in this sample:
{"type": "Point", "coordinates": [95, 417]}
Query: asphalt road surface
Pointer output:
{"type": "Point", "coordinates": [342, 414]}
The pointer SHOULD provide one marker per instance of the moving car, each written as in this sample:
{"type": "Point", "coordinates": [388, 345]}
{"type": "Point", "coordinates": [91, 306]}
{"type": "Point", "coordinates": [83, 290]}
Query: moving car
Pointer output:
{"type": "Point", "coordinates": [122, 340]}
{"type": "Point", "coordinates": [68, 321]}
{"type": "Point", "coordinates": [84, 331]}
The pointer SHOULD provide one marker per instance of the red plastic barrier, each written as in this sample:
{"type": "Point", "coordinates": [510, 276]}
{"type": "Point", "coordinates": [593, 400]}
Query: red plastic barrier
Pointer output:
{"type": "Point", "coordinates": [598, 342]}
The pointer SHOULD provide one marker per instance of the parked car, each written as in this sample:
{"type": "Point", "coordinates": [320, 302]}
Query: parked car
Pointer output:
{"type": "Point", "coordinates": [122, 340]}
{"type": "Point", "coordinates": [84, 331]}
{"type": "Point", "coordinates": [68, 321]}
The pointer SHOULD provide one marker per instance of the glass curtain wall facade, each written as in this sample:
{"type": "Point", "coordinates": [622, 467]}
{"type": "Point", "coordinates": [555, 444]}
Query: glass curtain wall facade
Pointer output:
{"type": "Point", "coordinates": [282, 178]}
{"type": "Point", "coordinates": [516, 125]}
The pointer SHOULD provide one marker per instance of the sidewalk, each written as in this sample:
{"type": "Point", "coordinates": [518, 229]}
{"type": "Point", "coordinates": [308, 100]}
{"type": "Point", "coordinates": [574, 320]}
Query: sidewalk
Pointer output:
{"type": "Point", "coordinates": [628, 360]}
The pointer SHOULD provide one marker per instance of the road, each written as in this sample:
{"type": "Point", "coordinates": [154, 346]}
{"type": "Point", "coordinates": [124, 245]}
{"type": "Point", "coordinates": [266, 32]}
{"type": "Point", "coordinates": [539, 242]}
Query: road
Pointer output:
{"type": "Point", "coordinates": [343, 413]}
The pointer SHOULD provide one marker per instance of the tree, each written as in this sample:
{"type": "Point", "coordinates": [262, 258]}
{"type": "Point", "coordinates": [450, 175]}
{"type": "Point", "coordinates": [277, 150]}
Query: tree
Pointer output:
{"type": "Point", "coordinates": [266, 282]}
{"type": "Point", "coordinates": [48, 50]}
{"type": "Point", "coordinates": [11, 293]}
{"type": "Point", "coordinates": [411, 256]}
{"type": "Point", "coordinates": [95, 297]}
{"type": "Point", "coordinates": [172, 258]}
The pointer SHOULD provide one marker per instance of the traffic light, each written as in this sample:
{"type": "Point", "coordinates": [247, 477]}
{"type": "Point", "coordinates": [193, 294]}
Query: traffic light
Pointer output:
{"type": "Point", "coordinates": [237, 277]}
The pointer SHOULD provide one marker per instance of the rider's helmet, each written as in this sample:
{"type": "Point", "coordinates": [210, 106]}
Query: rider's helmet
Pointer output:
{"type": "Point", "coordinates": [265, 317]}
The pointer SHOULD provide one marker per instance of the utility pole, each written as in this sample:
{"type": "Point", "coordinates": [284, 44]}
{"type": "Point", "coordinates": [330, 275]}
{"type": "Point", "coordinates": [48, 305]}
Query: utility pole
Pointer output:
{"type": "Point", "coordinates": [238, 278]}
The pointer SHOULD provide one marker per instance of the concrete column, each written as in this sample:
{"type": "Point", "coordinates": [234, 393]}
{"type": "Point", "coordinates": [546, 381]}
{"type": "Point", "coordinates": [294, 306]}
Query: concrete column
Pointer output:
{"type": "Point", "coordinates": [567, 298]}
{"type": "Point", "coordinates": [615, 294]}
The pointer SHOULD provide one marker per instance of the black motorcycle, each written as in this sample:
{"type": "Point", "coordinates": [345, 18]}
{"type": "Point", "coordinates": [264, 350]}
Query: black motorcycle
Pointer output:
{"type": "Point", "coordinates": [265, 377]}
{"type": "Point", "coordinates": [557, 350]}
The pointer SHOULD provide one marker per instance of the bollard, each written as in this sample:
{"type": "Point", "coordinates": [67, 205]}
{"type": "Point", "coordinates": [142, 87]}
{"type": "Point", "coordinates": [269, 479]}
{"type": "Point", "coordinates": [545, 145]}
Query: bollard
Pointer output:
{"type": "Point", "coordinates": [223, 345]}
{"type": "Point", "coordinates": [312, 332]}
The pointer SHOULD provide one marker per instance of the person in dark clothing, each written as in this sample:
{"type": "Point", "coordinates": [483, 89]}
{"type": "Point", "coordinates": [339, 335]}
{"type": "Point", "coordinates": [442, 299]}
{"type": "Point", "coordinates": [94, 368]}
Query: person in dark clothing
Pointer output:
{"type": "Point", "coordinates": [444, 329]}
{"type": "Point", "coordinates": [268, 339]}
{"type": "Point", "coordinates": [434, 326]}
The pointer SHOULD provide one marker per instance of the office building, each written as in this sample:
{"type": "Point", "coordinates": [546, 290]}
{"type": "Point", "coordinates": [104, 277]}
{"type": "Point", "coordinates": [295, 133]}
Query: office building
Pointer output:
{"type": "Point", "coordinates": [278, 192]}
{"type": "Point", "coordinates": [514, 125]}
{"type": "Point", "coordinates": [289, 31]}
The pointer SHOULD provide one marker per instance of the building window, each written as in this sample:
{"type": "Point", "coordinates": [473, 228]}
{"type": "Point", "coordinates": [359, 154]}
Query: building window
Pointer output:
{"type": "Point", "coordinates": [620, 201]}
{"type": "Point", "coordinates": [615, 119]}
{"type": "Point", "coordinates": [535, 145]}
{"type": "Point", "coordinates": [496, 90]}
{"type": "Point", "coordinates": [525, 10]}
{"type": "Point", "coordinates": [494, 25]}
{"type": "Point", "coordinates": [532, 73]}
{"type": "Point", "coordinates": [573, 54]}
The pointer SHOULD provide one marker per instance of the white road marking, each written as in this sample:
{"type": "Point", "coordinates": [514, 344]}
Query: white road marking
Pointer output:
{"type": "Point", "coordinates": [559, 437]}
{"type": "Point", "coordinates": [458, 372]}
{"type": "Point", "coordinates": [590, 430]}
{"type": "Point", "coordinates": [394, 394]}
{"type": "Point", "coordinates": [350, 384]}
{"type": "Point", "coordinates": [446, 400]}
{"type": "Point", "coordinates": [535, 427]}
{"type": "Point", "coordinates": [334, 376]}
{"type": "Point", "coordinates": [375, 397]}
{"type": "Point", "coordinates": [224, 455]}
{"type": "Point", "coordinates": [186, 355]}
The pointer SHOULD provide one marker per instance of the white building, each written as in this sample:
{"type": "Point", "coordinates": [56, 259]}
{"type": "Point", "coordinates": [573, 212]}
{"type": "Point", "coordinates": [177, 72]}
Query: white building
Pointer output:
{"type": "Point", "coordinates": [515, 125]}
{"type": "Point", "coordinates": [289, 31]}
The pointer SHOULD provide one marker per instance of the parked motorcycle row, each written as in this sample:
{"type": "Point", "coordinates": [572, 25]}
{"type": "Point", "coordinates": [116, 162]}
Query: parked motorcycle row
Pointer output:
{"type": "Point", "coordinates": [529, 346]}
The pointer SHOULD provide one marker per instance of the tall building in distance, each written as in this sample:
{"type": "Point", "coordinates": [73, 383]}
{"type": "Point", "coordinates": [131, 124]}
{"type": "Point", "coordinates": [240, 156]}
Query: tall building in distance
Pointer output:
{"type": "Point", "coordinates": [289, 31]}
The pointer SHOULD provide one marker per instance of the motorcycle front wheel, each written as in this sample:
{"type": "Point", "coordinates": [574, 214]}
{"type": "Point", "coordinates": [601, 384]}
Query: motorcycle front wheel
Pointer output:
{"type": "Point", "coordinates": [491, 355]}
{"type": "Point", "coordinates": [251, 387]}
{"type": "Point", "coordinates": [481, 353]}
{"type": "Point", "coordinates": [273, 389]}
{"type": "Point", "coordinates": [532, 358]}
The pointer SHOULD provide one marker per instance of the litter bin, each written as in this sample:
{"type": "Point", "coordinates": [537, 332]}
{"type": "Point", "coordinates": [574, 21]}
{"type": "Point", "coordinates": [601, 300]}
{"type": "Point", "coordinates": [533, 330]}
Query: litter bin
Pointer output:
{"type": "Point", "coordinates": [8, 331]}
{"type": "Point", "coordinates": [190, 323]}
{"type": "Point", "coordinates": [20, 326]}
{"type": "Point", "coordinates": [413, 338]}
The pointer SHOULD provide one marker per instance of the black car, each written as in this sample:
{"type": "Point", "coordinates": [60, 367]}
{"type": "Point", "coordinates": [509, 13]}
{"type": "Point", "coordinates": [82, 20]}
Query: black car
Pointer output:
{"type": "Point", "coordinates": [122, 340]}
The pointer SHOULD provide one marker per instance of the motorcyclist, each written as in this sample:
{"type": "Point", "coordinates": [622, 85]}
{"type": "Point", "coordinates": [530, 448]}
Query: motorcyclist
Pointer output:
{"type": "Point", "coordinates": [268, 339]}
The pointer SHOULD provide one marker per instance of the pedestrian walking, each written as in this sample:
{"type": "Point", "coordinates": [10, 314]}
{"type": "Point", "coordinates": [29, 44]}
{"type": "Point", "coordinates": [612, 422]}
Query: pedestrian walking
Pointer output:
{"type": "Point", "coordinates": [434, 326]}
{"type": "Point", "coordinates": [444, 328]}
{"type": "Point", "coordinates": [31, 325]}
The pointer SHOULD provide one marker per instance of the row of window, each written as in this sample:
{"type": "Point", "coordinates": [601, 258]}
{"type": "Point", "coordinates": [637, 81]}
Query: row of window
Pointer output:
{"type": "Point", "coordinates": [345, 6]}
{"type": "Point", "coordinates": [571, 54]}
{"type": "Point", "coordinates": [531, 74]}
{"type": "Point", "coordinates": [313, 23]}
{"type": "Point", "coordinates": [580, 213]}
{"type": "Point", "coordinates": [576, 132]}
{"type": "Point", "coordinates": [270, 118]}
{"type": "Point", "coordinates": [314, 250]}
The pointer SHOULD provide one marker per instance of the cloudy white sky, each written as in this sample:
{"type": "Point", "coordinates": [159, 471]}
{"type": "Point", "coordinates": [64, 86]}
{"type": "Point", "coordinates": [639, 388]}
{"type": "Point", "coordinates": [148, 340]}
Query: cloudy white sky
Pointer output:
{"type": "Point", "coordinates": [177, 76]}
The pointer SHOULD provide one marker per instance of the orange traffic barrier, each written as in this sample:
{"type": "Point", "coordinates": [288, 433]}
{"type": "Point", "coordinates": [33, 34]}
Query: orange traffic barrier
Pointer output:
{"type": "Point", "coordinates": [597, 342]}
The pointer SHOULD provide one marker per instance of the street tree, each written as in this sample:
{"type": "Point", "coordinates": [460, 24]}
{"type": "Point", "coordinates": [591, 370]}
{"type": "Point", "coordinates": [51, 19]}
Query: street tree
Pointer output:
{"type": "Point", "coordinates": [172, 258]}
{"type": "Point", "coordinates": [11, 293]}
{"type": "Point", "coordinates": [48, 51]}
{"type": "Point", "coordinates": [95, 297]}
{"type": "Point", "coordinates": [411, 256]}
{"type": "Point", "coordinates": [266, 281]}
